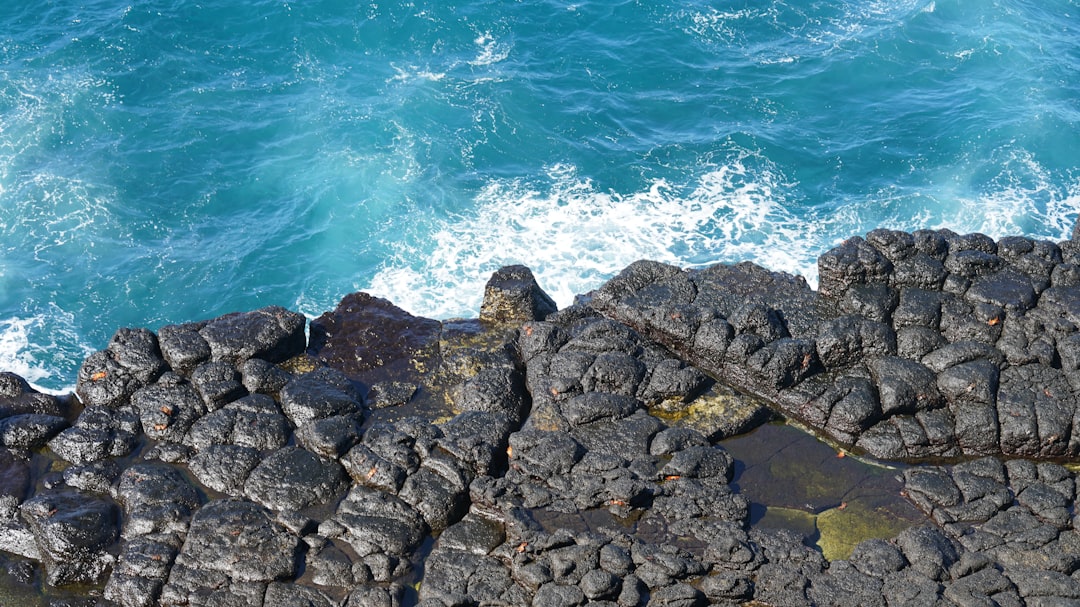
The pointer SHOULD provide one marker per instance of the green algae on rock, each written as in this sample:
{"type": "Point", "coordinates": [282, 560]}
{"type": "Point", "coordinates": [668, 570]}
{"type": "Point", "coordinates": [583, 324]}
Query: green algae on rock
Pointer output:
{"type": "Point", "coordinates": [795, 481]}
{"type": "Point", "coordinates": [718, 413]}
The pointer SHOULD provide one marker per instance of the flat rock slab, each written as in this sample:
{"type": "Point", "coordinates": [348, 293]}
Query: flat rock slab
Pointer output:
{"type": "Point", "coordinates": [239, 539]}
{"type": "Point", "coordinates": [292, 479]}
{"type": "Point", "coordinates": [365, 333]}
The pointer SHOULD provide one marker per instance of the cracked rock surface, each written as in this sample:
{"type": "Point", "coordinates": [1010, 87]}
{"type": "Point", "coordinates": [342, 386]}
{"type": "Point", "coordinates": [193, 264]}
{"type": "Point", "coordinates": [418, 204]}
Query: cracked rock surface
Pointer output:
{"type": "Point", "coordinates": [570, 457]}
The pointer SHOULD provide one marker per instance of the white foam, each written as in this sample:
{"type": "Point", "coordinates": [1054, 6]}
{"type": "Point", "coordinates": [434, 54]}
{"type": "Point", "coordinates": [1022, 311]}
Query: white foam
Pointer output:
{"type": "Point", "coordinates": [490, 50]}
{"type": "Point", "coordinates": [575, 236]}
{"type": "Point", "coordinates": [26, 347]}
{"type": "Point", "coordinates": [1022, 198]}
{"type": "Point", "coordinates": [413, 72]}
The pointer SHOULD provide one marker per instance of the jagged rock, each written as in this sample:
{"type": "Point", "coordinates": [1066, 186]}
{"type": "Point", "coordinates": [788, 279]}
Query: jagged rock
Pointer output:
{"type": "Point", "coordinates": [14, 482]}
{"type": "Point", "coordinates": [494, 390]}
{"type": "Point", "coordinates": [131, 360]}
{"type": "Point", "coordinates": [479, 440]}
{"type": "Point", "coordinates": [224, 468]}
{"type": "Point", "coordinates": [513, 296]}
{"type": "Point", "coordinates": [262, 377]}
{"type": "Point", "coordinates": [254, 421]}
{"type": "Point", "coordinates": [318, 394]}
{"type": "Point", "coordinates": [375, 522]}
{"type": "Point", "coordinates": [140, 572]}
{"type": "Point", "coordinates": [168, 408]}
{"type": "Point", "coordinates": [17, 397]}
{"type": "Point", "coordinates": [438, 490]}
{"type": "Point", "coordinates": [183, 347]}
{"type": "Point", "coordinates": [99, 432]}
{"type": "Point", "coordinates": [156, 499]}
{"type": "Point", "coordinates": [218, 383]}
{"type": "Point", "coordinates": [854, 261]}
{"type": "Point", "coordinates": [329, 437]}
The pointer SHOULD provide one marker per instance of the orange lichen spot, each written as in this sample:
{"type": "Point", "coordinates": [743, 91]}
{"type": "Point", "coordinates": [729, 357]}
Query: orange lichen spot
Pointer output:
{"type": "Point", "coordinates": [993, 321]}
{"type": "Point", "coordinates": [509, 452]}
{"type": "Point", "coordinates": [841, 454]}
{"type": "Point", "coordinates": [371, 473]}
{"type": "Point", "coordinates": [166, 409]}
{"type": "Point", "coordinates": [160, 427]}
{"type": "Point", "coordinates": [672, 477]}
{"type": "Point", "coordinates": [521, 547]}
{"type": "Point", "coordinates": [98, 375]}
{"type": "Point", "coordinates": [616, 503]}
{"type": "Point", "coordinates": [842, 506]}
{"type": "Point", "coordinates": [528, 330]}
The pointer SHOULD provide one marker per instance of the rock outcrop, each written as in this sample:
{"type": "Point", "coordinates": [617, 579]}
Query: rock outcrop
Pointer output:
{"type": "Point", "coordinates": [572, 457]}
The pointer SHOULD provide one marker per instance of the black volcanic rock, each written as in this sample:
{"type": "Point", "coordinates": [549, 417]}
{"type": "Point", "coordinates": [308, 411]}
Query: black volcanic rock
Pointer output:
{"type": "Point", "coordinates": [235, 542]}
{"type": "Point", "coordinates": [924, 345]}
{"type": "Point", "coordinates": [271, 333]}
{"type": "Point", "coordinates": [73, 532]}
{"type": "Point", "coordinates": [365, 332]}
{"type": "Point", "coordinates": [410, 461]}
{"type": "Point", "coordinates": [253, 421]}
{"type": "Point", "coordinates": [99, 432]}
{"type": "Point", "coordinates": [293, 479]}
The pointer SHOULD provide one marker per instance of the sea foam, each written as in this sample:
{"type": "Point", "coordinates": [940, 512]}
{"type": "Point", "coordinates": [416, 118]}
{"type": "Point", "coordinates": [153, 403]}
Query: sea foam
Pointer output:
{"type": "Point", "coordinates": [574, 235]}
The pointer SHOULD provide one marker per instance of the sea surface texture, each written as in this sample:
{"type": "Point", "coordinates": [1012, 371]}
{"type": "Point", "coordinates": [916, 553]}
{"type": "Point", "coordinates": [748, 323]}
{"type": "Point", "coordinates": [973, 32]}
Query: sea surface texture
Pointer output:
{"type": "Point", "coordinates": [164, 161]}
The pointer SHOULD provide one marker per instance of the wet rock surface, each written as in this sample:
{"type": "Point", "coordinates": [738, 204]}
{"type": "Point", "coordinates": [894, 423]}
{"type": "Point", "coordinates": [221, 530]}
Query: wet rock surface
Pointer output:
{"type": "Point", "coordinates": [597, 455]}
{"type": "Point", "coordinates": [915, 346]}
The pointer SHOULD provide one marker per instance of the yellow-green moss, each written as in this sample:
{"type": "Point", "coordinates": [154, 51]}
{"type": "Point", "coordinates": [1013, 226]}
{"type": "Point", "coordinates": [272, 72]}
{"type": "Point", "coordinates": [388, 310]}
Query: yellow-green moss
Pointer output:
{"type": "Point", "coordinates": [843, 527]}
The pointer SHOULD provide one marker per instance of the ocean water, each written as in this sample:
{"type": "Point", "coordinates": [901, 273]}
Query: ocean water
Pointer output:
{"type": "Point", "coordinates": [165, 161]}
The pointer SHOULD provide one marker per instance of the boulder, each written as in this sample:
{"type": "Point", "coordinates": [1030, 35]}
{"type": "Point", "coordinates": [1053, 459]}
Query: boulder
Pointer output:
{"type": "Point", "coordinates": [513, 296]}
{"type": "Point", "coordinates": [293, 479]}
{"type": "Point", "coordinates": [239, 540]}
{"type": "Point", "coordinates": [73, 532]}
{"type": "Point", "coordinates": [272, 333]}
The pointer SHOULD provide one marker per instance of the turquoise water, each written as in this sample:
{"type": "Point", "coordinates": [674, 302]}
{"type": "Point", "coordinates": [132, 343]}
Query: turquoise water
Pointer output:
{"type": "Point", "coordinates": [166, 160]}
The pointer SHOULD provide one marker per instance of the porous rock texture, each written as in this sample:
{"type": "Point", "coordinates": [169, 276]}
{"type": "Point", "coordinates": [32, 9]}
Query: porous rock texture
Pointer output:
{"type": "Point", "coordinates": [915, 346]}
{"type": "Point", "coordinates": [522, 459]}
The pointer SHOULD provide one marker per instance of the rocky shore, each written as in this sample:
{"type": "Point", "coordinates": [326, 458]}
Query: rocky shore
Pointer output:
{"type": "Point", "coordinates": [547, 457]}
